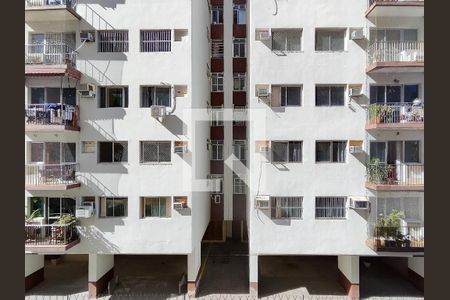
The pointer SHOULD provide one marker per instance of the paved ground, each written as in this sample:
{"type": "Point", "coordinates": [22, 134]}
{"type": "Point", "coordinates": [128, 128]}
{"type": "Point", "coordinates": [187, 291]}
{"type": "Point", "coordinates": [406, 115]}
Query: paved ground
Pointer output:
{"type": "Point", "coordinates": [299, 276]}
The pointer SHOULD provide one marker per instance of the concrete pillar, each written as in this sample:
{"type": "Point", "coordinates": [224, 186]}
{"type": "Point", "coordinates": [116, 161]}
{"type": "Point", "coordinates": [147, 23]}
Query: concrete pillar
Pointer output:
{"type": "Point", "coordinates": [34, 270]}
{"type": "Point", "coordinates": [101, 271]}
{"type": "Point", "coordinates": [193, 265]}
{"type": "Point", "coordinates": [416, 271]}
{"type": "Point", "coordinates": [253, 270]}
{"type": "Point", "coordinates": [348, 268]}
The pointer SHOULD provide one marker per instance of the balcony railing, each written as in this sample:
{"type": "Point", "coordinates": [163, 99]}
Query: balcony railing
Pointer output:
{"type": "Point", "coordinates": [52, 114]}
{"type": "Point", "coordinates": [392, 1]}
{"type": "Point", "coordinates": [52, 234]}
{"type": "Point", "coordinates": [384, 52]}
{"type": "Point", "coordinates": [50, 54]}
{"type": "Point", "coordinates": [399, 174]}
{"type": "Point", "coordinates": [401, 238]}
{"type": "Point", "coordinates": [395, 113]}
{"type": "Point", "coordinates": [51, 174]}
{"type": "Point", "coordinates": [50, 3]}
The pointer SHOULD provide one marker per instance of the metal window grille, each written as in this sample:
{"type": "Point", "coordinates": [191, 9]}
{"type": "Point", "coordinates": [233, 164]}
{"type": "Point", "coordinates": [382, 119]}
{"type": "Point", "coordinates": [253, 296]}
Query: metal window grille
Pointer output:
{"type": "Point", "coordinates": [217, 177]}
{"type": "Point", "coordinates": [239, 186]}
{"type": "Point", "coordinates": [156, 40]}
{"type": "Point", "coordinates": [288, 40]}
{"type": "Point", "coordinates": [216, 150]}
{"type": "Point", "coordinates": [239, 48]}
{"type": "Point", "coordinates": [113, 41]}
{"type": "Point", "coordinates": [239, 82]}
{"type": "Point", "coordinates": [155, 152]}
{"type": "Point", "coordinates": [331, 207]}
{"type": "Point", "coordinates": [217, 82]}
{"type": "Point", "coordinates": [217, 48]}
{"type": "Point", "coordinates": [286, 207]}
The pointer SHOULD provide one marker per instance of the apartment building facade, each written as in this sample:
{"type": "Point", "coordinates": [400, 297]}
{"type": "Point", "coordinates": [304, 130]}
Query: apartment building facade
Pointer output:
{"type": "Point", "coordinates": [293, 126]}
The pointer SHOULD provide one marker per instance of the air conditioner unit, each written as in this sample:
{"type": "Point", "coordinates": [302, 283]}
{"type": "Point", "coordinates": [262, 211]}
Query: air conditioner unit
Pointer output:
{"type": "Point", "coordinates": [262, 92]}
{"type": "Point", "coordinates": [359, 202]}
{"type": "Point", "coordinates": [86, 210]}
{"type": "Point", "coordinates": [87, 36]}
{"type": "Point", "coordinates": [264, 149]}
{"type": "Point", "coordinates": [180, 149]}
{"type": "Point", "coordinates": [158, 111]}
{"type": "Point", "coordinates": [264, 35]}
{"type": "Point", "coordinates": [355, 149]}
{"type": "Point", "coordinates": [357, 34]}
{"type": "Point", "coordinates": [178, 205]}
{"type": "Point", "coordinates": [262, 202]}
{"type": "Point", "coordinates": [87, 90]}
{"type": "Point", "coordinates": [216, 199]}
{"type": "Point", "coordinates": [354, 92]}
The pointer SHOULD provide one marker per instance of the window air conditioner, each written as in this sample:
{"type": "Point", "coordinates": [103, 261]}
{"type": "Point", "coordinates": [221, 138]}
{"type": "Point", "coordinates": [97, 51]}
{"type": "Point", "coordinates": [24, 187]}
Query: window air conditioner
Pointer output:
{"type": "Point", "coordinates": [87, 90]}
{"type": "Point", "coordinates": [180, 149]}
{"type": "Point", "coordinates": [216, 199]}
{"type": "Point", "coordinates": [264, 35]}
{"type": "Point", "coordinates": [214, 185]}
{"type": "Point", "coordinates": [262, 92]}
{"type": "Point", "coordinates": [158, 111]}
{"type": "Point", "coordinates": [178, 205]}
{"type": "Point", "coordinates": [87, 36]}
{"type": "Point", "coordinates": [355, 149]}
{"type": "Point", "coordinates": [357, 34]}
{"type": "Point", "coordinates": [354, 92]}
{"type": "Point", "coordinates": [264, 148]}
{"type": "Point", "coordinates": [359, 202]}
{"type": "Point", "coordinates": [262, 202]}
{"type": "Point", "coordinates": [86, 210]}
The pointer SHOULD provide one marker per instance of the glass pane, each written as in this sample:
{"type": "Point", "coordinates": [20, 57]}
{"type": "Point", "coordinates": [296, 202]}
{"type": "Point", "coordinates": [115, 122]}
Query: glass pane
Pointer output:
{"type": "Point", "coordinates": [279, 151]}
{"type": "Point", "coordinates": [149, 152]}
{"type": "Point", "coordinates": [381, 35]}
{"type": "Point", "coordinates": [392, 35]}
{"type": "Point", "coordinates": [293, 40]}
{"type": "Point", "coordinates": [151, 207]}
{"type": "Point", "coordinates": [163, 96]}
{"type": "Point", "coordinates": [115, 97]}
{"type": "Point", "coordinates": [37, 95]}
{"type": "Point", "coordinates": [69, 96]}
{"type": "Point", "coordinates": [337, 96]}
{"type": "Point", "coordinates": [410, 35]}
{"type": "Point", "coordinates": [293, 96]}
{"type": "Point", "coordinates": [105, 152]}
{"type": "Point", "coordinates": [54, 207]}
{"type": "Point", "coordinates": [378, 151]}
{"type": "Point", "coordinates": [393, 94]}
{"type": "Point", "coordinates": [164, 152]}
{"type": "Point", "coordinates": [53, 95]}
{"type": "Point", "coordinates": [412, 152]}
{"type": "Point", "coordinates": [337, 40]}
{"type": "Point", "coordinates": [339, 151]}
{"type": "Point", "coordinates": [377, 94]}
{"type": "Point", "coordinates": [52, 153]}
{"type": "Point", "coordinates": [278, 40]}
{"type": "Point", "coordinates": [411, 92]}
{"type": "Point", "coordinates": [68, 206]}
{"type": "Point", "coordinates": [69, 152]}
{"type": "Point", "coordinates": [120, 207]}
{"type": "Point", "coordinates": [37, 38]}
{"type": "Point", "coordinates": [323, 151]}
{"type": "Point", "coordinates": [109, 207]}
{"type": "Point", "coordinates": [322, 96]}
{"type": "Point", "coordinates": [37, 152]}
{"type": "Point", "coordinates": [322, 41]}
{"type": "Point", "coordinates": [120, 151]}
{"type": "Point", "coordinates": [102, 97]}
{"type": "Point", "coordinates": [295, 151]}
{"type": "Point", "coordinates": [37, 203]}
{"type": "Point", "coordinates": [162, 207]}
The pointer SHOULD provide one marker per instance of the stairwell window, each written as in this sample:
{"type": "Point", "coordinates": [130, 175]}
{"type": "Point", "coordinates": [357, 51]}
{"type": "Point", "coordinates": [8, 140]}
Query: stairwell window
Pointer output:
{"type": "Point", "coordinates": [217, 14]}
{"type": "Point", "coordinates": [331, 151]}
{"type": "Point", "coordinates": [155, 95]}
{"type": "Point", "coordinates": [216, 150]}
{"type": "Point", "coordinates": [217, 82]}
{"type": "Point", "coordinates": [331, 207]}
{"type": "Point", "coordinates": [113, 207]}
{"type": "Point", "coordinates": [291, 96]}
{"type": "Point", "coordinates": [239, 47]}
{"type": "Point", "coordinates": [286, 207]}
{"type": "Point", "coordinates": [330, 95]}
{"type": "Point", "coordinates": [112, 41]}
{"type": "Point", "coordinates": [286, 152]}
{"type": "Point", "coordinates": [113, 97]}
{"type": "Point", "coordinates": [239, 82]}
{"type": "Point", "coordinates": [330, 39]}
{"type": "Point", "coordinates": [158, 207]}
{"type": "Point", "coordinates": [156, 40]}
{"type": "Point", "coordinates": [217, 48]}
{"type": "Point", "coordinates": [155, 152]}
{"type": "Point", "coordinates": [112, 152]}
{"type": "Point", "coordinates": [289, 40]}
{"type": "Point", "coordinates": [216, 116]}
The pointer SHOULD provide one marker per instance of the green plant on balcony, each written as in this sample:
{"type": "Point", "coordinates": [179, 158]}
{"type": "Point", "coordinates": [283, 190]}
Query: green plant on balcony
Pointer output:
{"type": "Point", "coordinates": [388, 228]}
{"type": "Point", "coordinates": [379, 113]}
{"type": "Point", "coordinates": [32, 232]}
{"type": "Point", "coordinates": [35, 214]}
{"type": "Point", "coordinates": [63, 232]}
{"type": "Point", "coordinates": [377, 172]}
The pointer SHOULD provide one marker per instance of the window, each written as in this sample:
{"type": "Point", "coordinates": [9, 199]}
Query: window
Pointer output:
{"type": "Point", "coordinates": [286, 40]}
{"type": "Point", "coordinates": [36, 203]}
{"type": "Point", "coordinates": [286, 151]}
{"type": "Point", "coordinates": [217, 48]}
{"type": "Point", "coordinates": [378, 151]}
{"type": "Point", "coordinates": [393, 93]}
{"type": "Point", "coordinates": [217, 82]}
{"type": "Point", "coordinates": [217, 15]}
{"type": "Point", "coordinates": [155, 152]}
{"type": "Point", "coordinates": [212, 181]}
{"type": "Point", "coordinates": [239, 149]}
{"type": "Point", "coordinates": [60, 206]}
{"type": "Point", "coordinates": [216, 150]}
{"type": "Point", "coordinates": [113, 97]}
{"type": "Point", "coordinates": [393, 35]}
{"type": "Point", "coordinates": [412, 150]}
{"type": "Point", "coordinates": [239, 186]}
{"type": "Point", "coordinates": [239, 82]}
{"type": "Point", "coordinates": [331, 151]}
{"type": "Point", "coordinates": [239, 16]}
{"type": "Point", "coordinates": [53, 95]}
{"type": "Point", "coordinates": [113, 207]}
{"type": "Point", "coordinates": [155, 95]}
{"type": "Point", "coordinates": [113, 152]}
{"type": "Point", "coordinates": [156, 207]}
{"type": "Point", "coordinates": [156, 40]}
{"type": "Point", "coordinates": [330, 40]}
{"type": "Point", "coordinates": [216, 116]}
{"type": "Point", "coordinates": [88, 147]}
{"type": "Point", "coordinates": [286, 207]}
{"type": "Point", "coordinates": [291, 96]}
{"type": "Point", "coordinates": [239, 48]}
{"type": "Point", "coordinates": [52, 152]}
{"type": "Point", "coordinates": [330, 207]}
{"type": "Point", "coordinates": [112, 41]}
{"type": "Point", "coordinates": [330, 95]}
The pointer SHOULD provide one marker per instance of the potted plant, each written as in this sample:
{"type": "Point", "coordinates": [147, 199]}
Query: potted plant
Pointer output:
{"type": "Point", "coordinates": [388, 227]}
{"type": "Point", "coordinates": [377, 171]}
{"type": "Point", "coordinates": [58, 231]}
{"type": "Point", "coordinates": [32, 232]}
{"type": "Point", "coordinates": [375, 114]}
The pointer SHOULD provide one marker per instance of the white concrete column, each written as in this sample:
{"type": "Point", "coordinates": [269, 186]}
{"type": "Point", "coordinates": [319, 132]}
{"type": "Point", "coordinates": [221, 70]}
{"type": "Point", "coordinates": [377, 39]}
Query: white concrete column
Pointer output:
{"type": "Point", "coordinates": [349, 274]}
{"type": "Point", "coordinates": [101, 271]}
{"type": "Point", "coordinates": [416, 271]}
{"type": "Point", "coordinates": [194, 261]}
{"type": "Point", "coordinates": [253, 270]}
{"type": "Point", "coordinates": [34, 270]}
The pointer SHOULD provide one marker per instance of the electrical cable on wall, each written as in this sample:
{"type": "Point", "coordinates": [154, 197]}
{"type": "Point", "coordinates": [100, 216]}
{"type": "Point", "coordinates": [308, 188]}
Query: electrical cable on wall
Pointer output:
{"type": "Point", "coordinates": [276, 8]}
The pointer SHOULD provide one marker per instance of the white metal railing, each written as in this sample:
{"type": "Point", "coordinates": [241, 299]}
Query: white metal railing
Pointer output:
{"type": "Point", "coordinates": [216, 115]}
{"type": "Point", "coordinates": [63, 173]}
{"type": "Point", "coordinates": [43, 3]}
{"type": "Point", "coordinates": [51, 114]}
{"type": "Point", "coordinates": [393, 113]}
{"type": "Point", "coordinates": [392, 1]}
{"type": "Point", "coordinates": [49, 54]}
{"type": "Point", "coordinates": [396, 51]}
{"type": "Point", "coordinates": [50, 234]}
{"type": "Point", "coordinates": [396, 174]}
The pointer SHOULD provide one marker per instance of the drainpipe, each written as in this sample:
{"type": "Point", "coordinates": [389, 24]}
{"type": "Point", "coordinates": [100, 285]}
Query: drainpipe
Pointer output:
{"type": "Point", "coordinates": [174, 100]}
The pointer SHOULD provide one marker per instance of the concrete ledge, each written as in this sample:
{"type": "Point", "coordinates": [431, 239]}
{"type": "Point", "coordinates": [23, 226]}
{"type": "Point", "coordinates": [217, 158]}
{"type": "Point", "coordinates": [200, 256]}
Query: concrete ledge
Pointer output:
{"type": "Point", "coordinates": [34, 279]}
{"type": "Point", "coordinates": [98, 287]}
{"type": "Point", "coordinates": [351, 289]}
{"type": "Point", "coordinates": [416, 279]}
{"type": "Point", "coordinates": [394, 187]}
{"type": "Point", "coordinates": [51, 187]}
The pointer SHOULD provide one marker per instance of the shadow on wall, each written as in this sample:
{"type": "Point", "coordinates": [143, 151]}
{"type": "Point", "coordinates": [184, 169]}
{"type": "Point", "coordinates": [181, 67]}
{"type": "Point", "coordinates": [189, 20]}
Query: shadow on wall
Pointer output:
{"type": "Point", "coordinates": [95, 185]}
{"type": "Point", "coordinates": [93, 236]}
{"type": "Point", "coordinates": [93, 74]}
{"type": "Point", "coordinates": [175, 125]}
{"type": "Point", "coordinates": [104, 3]}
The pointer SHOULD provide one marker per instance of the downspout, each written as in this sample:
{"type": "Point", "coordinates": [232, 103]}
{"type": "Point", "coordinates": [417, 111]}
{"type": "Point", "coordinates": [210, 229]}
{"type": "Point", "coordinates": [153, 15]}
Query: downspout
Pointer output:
{"type": "Point", "coordinates": [173, 103]}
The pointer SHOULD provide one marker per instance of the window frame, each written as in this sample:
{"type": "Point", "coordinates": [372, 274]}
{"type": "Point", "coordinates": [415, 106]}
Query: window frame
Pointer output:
{"type": "Point", "coordinates": [288, 152]}
{"type": "Point", "coordinates": [242, 79]}
{"type": "Point", "coordinates": [112, 44]}
{"type": "Point", "coordinates": [329, 32]}
{"type": "Point", "coordinates": [62, 152]}
{"type": "Point", "coordinates": [154, 89]}
{"type": "Point", "coordinates": [217, 82]}
{"type": "Point", "coordinates": [105, 210]}
{"type": "Point", "coordinates": [239, 14]}
{"type": "Point", "coordinates": [104, 96]}
{"type": "Point", "coordinates": [331, 153]}
{"type": "Point", "coordinates": [276, 211]}
{"type": "Point", "coordinates": [403, 151]}
{"type": "Point", "coordinates": [385, 94]}
{"type": "Point", "coordinates": [285, 33]}
{"type": "Point", "coordinates": [217, 49]}
{"type": "Point", "coordinates": [217, 147]}
{"type": "Point", "coordinates": [158, 145]}
{"type": "Point", "coordinates": [239, 186]}
{"type": "Point", "coordinates": [241, 44]}
{"type": "Point", "coordinates": [286, 92]}
{"type": "Point", "coordinates": [330, 87]}
{"type": "Point", "coordinates": [149, 45]}
{"type": "Point", "coordinates": [167, 205]}
{"type": "Point", "coordinates": [331, 207]}
{"type": "Point", "coordinates": [112, 152]}
{"type": "Point", "coordinates": [62, 99]}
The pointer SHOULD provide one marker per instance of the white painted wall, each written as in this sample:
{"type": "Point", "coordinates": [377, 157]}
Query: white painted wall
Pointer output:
{"type": "Point", "coordinates": [349, 266]}
{"type": "Point", "coordinates": [33, 263]}
{"type": "Point", "coordinates": [99, 265]}
{"type": "Point", "coordinates": [417, 264]}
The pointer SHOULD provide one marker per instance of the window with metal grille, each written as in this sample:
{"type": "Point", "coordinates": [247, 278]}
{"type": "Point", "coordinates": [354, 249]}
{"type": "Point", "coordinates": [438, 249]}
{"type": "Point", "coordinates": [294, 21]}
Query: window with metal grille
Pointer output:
{"type": "Point", "coordinates": [291, 96]}
{"type": "Point", "coordinates": [287, 40]}
{"type": "Point", "coordinates": [330, 39]}
{"type": "Point", "coordinates": [239, 82]}
{"type": "Point", "coordinates": [213, 179]}
{"type": "Point", "coordinates": [155, 95]}
{"type": "Point", "coordinates": [217, 82]}
{"type": "Point", "coordinates": [289, 151]}
{"type": "Point", "coordinates": [239, 48]}
{"type": "Point", "coordinates": [113, 97]}
{"type": "Point", "coordinates": [52, 152]}
{"type": "Point", "coordinates": [286, 207]}
{"type": "Point", "coordinates": [216, 150]}
{"type": "Point", "coordinates": [217, 48]}
{"type": "Point", "coordinates": [239, 186]}
{"type": "Point", "coordinates": [239, 15]}
{"type": "Point", "coordinates": [156, 40]}
{"type": "Point", "coordinates": [331, 207]}
{"type": "Point", "coordinates": [155, 152]}
{"type": "Point", "coordinates": [112, 41]}
{"type": "Point", "coordinates": [216, 116]}
{"type": "Point", "coordinates": [331, 151]}
{"type": "Point", "coordinates": [113, 152]}
{"type": "Point", "coordinates": [156, 207]}
{"type": "Point", "coordinates": [113, 206]}
{"type": "Point", "coordinates": [217, 14]}
{"type": "Point", "coordinates": [330, 95]}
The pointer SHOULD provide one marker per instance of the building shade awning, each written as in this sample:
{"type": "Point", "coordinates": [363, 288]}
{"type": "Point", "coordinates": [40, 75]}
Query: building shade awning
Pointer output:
{"type": "Point", "coordinates": [38, 71]}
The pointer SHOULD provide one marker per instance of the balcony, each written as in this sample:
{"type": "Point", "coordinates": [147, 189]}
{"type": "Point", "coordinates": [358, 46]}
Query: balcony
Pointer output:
{"type": "Point", "coordinates": [51, 10]}
{"type": "Point", "coordinates": [51, 117]}
{"type": "Point", "coordinates": [50, 59]}
{"type": "Point", "coordinates": [396, 238]}
{"type": "Point", "coordinates": [395, 8]}
{"type": "Point", "coordinates": [385, 57]}
{"type": "Point", "coordinates": [395, 116]}
{"type": "Point", "coordinates": [54, 238]}
{"type": "Point", "coordinates": [399, 177]}
{"type": "Point", "coordinates": [46, 177]}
